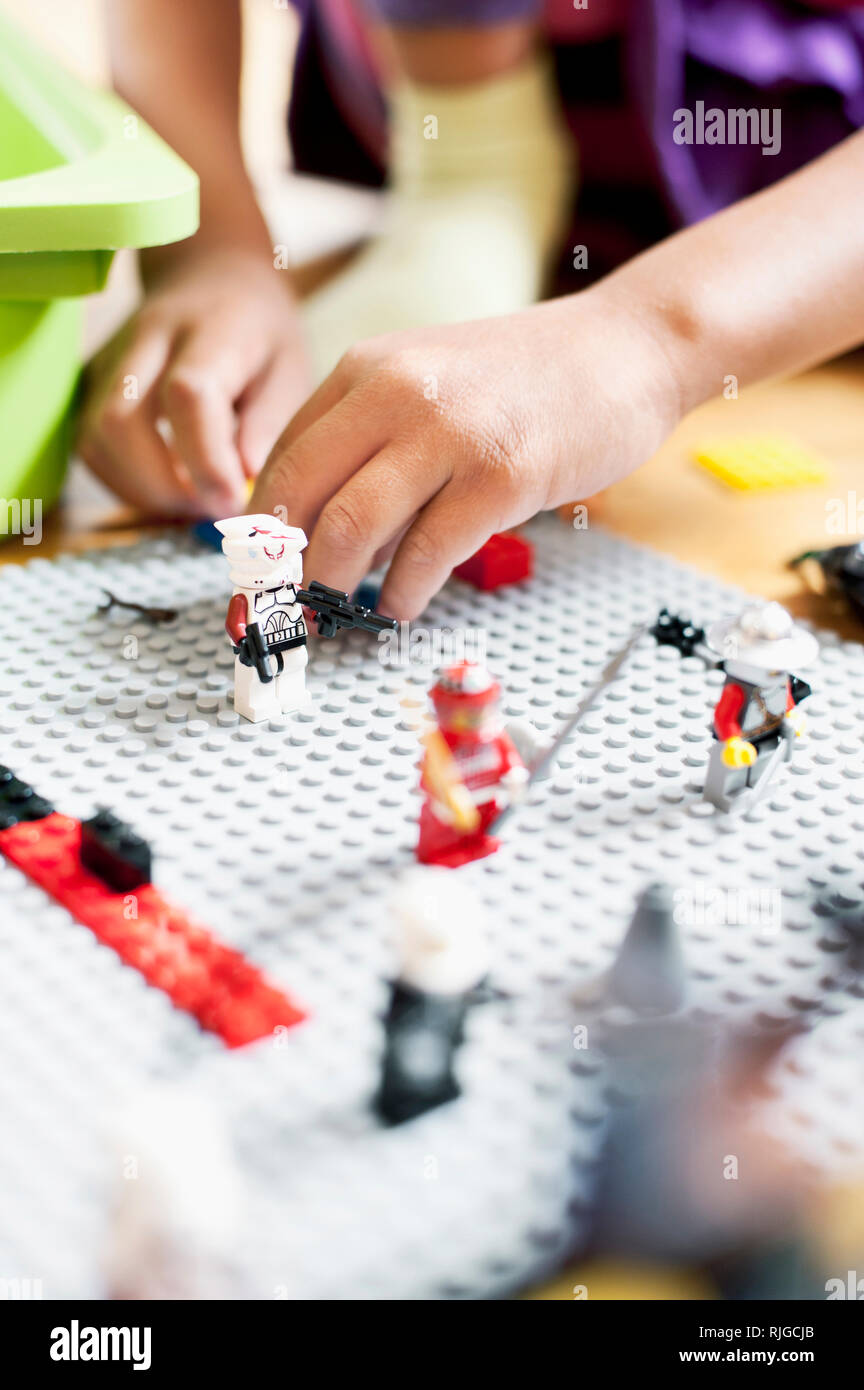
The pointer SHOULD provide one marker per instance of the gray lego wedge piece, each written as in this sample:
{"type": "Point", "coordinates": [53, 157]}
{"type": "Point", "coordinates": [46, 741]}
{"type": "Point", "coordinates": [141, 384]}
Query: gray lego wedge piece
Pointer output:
{"type": "Point", "coordinates": [649, 972]}
{"type": "Point", "coordinates": [285, 839]}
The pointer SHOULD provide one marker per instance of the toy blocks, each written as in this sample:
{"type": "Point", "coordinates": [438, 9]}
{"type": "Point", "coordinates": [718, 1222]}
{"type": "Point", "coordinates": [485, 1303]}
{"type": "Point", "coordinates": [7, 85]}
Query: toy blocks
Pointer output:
{"type": "Point", "coordinates": [444, 957]}
{"type": "Point", "coordinates": [760, 464]}
{"type": "Point", "coordinates": [842, 571]}
{"type": "Point", "coordinates": [649, 973]}
{"type": "Point", "coordinates": [265, 622]}
{"type": "Point", "coordinates": [504, 559]}
{"type": "Point", "coordinates": [214, 983]}
{"type": "Point", "coordinates": [19, 802]}
{"type": "Point", "coordinates": [623, 808]}
{"type": "Point", "coordinates": [756, 719]}
{"type": "Point", "coordinates": [671, 630]}
{"type": "Point", "coordinates": [114, 853]}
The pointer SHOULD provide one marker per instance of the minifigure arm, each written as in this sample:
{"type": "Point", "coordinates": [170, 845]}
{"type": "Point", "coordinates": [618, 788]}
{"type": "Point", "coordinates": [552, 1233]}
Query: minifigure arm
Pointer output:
{"type": "Point", "coordinates": [514, 773]}
{"type": "Point", "coordinates": [512, 757]}
{"type": "Point", "coordinates": [236, 618]}
{"type": "Point", "coordinates": [425, 785]}
{"type": "Point", "coordinates": [440, 779]}
{"type": "Point", "coordinates": [796, 719]}
{"type": "Point", "coordinates": [729, 706]}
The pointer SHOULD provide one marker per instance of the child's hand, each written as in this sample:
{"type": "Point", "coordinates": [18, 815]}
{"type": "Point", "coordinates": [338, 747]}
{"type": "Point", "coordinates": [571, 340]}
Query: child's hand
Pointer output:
{"type": "Point", "coordinates": [215, 353]}
{"type": "Point", "coordinates": [427, 442]}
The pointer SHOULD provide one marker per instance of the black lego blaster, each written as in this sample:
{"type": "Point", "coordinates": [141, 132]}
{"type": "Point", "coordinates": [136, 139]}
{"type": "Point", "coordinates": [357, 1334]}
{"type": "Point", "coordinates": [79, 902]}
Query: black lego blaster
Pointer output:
{"type": "Point", "coordinates": [254, 651]}
{"type": "Point", "coordinates": [333, 610]}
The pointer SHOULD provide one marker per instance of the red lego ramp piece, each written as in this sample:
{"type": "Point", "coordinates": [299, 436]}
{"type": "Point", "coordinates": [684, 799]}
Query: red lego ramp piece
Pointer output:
{"type": "Point", "coordinates": [217, 985]}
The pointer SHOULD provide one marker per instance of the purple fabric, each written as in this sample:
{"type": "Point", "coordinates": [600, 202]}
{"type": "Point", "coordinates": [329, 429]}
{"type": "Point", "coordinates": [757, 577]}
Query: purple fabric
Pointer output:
{"type": "Point", "coordinates": [730, 55]}
{"type": "Point", "coordinates": [444, 12]}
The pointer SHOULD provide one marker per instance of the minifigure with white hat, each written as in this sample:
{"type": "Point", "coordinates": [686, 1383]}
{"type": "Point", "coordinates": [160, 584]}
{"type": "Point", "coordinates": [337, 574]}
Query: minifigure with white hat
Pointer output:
{"type": "Point", "coordinates": [757, 718]}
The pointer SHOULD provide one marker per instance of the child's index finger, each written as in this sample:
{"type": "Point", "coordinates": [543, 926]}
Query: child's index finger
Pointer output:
{"type": "Point", "coordinates": [308, 466]}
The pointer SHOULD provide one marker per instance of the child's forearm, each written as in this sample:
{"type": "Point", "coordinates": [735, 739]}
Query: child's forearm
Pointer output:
{"type": "Point", "coordinates": [768, 287]}
{"type": "Point", "coordinates": [179, 66]}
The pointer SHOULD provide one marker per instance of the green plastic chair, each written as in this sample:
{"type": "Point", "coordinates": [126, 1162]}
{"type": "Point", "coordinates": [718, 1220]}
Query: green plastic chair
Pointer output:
{"type": "Point", "coordinates": [80, 176]}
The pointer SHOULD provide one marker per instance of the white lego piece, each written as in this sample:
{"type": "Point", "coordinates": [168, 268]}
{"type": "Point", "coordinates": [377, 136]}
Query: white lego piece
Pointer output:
{"type": "Point", "coordinates": [442, 932]}
{"type": "Point", "coordinates": [176, 1213]}
{"type": "Point", "coordinates": [266, 570]}
{"type": "Point", "coordinates": [763, 635]}
{"type": "Point", "coordinates": [529, 744]}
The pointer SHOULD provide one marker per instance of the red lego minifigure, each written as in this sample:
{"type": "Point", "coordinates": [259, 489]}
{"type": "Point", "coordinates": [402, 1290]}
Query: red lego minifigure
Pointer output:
{"type": "Point", "coordinates": [471, 769]}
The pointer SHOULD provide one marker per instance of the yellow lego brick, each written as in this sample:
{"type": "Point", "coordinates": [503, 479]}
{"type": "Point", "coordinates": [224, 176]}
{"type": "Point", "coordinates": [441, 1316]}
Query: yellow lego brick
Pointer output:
{"type": "Point", "coordinates": [761, 464]}
{"type": "Point", "coordinates": [626, 1281]}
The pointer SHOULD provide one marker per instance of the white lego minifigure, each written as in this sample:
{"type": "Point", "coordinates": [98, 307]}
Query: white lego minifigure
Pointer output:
{"type": "Point", "coordinates": [265, 619]}
{"type": "Point", "coordinates": [443, 959]}
{"type": "Point", "coordinates": [266, 570]}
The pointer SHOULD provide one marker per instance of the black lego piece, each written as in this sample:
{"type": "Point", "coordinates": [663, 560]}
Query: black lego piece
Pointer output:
{"type": "Point", "coordinates": [424, 1032]}
{"type": "Point", "coordinates": [671, 630]}
{"type": "Point", "coordinates": [114, 853]}
{"type": "Point", "coordinates": [19, 802]}
{"type": "Point", "coordinates": [843, 567]}
{"type": "Point", "coordinates": [154, 615]}
{"type": "Point", "coordinates": [334, 610]}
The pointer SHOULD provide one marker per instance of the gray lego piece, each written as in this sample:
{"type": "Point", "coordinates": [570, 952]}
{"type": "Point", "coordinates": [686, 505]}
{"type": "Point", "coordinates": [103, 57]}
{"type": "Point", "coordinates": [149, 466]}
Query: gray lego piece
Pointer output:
{"type": "Point", "coordinates": [729, 790]}
{"type": "Point", "coordinates": [649, 972]}
{"type": "Point", "coordinates": [285, 838]}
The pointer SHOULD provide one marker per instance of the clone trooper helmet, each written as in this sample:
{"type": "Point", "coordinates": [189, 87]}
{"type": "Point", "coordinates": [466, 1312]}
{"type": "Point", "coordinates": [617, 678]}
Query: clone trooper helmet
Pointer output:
{"type": "Point", "coordinates": [262, 551]}
{"type": "Point", "coordinates": [765, 638]}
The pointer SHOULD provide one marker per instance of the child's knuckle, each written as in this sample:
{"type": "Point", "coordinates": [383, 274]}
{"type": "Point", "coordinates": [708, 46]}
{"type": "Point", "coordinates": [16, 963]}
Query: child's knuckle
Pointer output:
{"type": "Point", "coordinates": [421, 550]}
{"type": "Point", "coordinates": [353, 363]}
{"type": "Point", "coordinates": [343, 527]}
{"type": "Point", "coordinates": [184, 392]}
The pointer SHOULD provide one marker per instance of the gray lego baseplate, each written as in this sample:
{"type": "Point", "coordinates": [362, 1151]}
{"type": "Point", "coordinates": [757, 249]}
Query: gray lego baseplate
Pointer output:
{"type": "Point", "coordinates": [286, 840]}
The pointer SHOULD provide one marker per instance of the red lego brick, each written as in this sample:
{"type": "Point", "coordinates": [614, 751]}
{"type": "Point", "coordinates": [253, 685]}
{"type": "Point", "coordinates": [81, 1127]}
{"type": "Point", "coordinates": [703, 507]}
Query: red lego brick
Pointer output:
{"type": "Point", "coordinates": [216, 984]}
{"type": "Point", "coordinates": [504, 559]}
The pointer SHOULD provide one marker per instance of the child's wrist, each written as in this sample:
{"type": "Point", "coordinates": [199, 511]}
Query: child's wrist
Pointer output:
{"type": "Point", "coordinates": [161, 263]}
{"type": "Point", "coordinates": [231, 224]}
{"type": "Point", "coordinates": [671, 325]}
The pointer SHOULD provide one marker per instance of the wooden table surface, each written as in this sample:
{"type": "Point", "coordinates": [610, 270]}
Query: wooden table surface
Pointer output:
{"type": "Point", "coordinates": [748, 538]}
{"type": "Point", "coordinates": [670, 504]}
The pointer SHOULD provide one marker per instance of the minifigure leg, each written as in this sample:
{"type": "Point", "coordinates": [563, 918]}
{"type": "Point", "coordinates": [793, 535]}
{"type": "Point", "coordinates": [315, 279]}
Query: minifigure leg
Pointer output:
{"type": "Point", "coordinates": [451, 848]}
{"type": "Point", "coordinates": [254, 699]}
{"type": "Point", "coordinates": [290, 684]}
{"type": "Point", "coordinates": [722, 783]}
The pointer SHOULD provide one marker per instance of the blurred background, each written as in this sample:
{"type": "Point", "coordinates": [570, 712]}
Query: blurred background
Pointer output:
{"type": "Point", "coordinates": [312, 218]}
